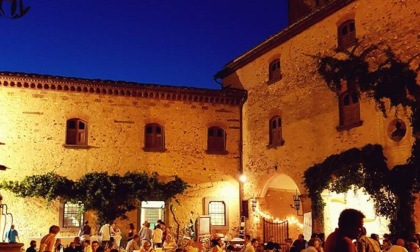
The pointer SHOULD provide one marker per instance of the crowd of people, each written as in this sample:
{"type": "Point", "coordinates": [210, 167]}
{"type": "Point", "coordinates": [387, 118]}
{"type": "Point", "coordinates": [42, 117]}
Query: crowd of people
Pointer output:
{"type": "Point", "coordinates": [350, 236]}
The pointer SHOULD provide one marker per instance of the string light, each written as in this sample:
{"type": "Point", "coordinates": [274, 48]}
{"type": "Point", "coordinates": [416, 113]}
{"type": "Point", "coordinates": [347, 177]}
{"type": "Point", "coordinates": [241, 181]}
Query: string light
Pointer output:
{"type": "Point", "coordinates": [291, 219]}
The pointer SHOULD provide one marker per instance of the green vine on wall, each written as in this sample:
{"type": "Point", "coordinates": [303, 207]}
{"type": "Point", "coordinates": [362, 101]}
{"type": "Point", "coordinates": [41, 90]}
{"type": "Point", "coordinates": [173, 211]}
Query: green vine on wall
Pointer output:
{"type": "Point", "coordinates": [110, 196]}
{"type": "Point", "coordinates": [377, 72]}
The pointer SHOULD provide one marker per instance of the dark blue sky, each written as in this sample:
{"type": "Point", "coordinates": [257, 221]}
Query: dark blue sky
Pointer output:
{"type": "Point", "coordinates": [171, 42]}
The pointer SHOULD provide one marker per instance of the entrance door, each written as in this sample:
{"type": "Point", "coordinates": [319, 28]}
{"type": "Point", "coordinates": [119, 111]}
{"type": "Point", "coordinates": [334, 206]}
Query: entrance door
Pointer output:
{"type": "Point", "coordinates": [152, 211]}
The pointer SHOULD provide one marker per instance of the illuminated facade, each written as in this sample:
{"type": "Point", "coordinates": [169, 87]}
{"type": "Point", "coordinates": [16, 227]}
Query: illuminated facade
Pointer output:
{"type": "Point", "coordinates": [292, 120]}
{"type": "Point", "coordinates": [73, 126]}
{"type": "Point", "coordinates": [288, 121]}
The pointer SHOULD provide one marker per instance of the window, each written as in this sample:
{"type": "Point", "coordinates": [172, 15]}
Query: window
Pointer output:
{"type": "Point", "coordinates": [154, 137]}
{"type": "Point", "coordinates": [76, 132]}
{"type": "Point", "coordinates": [72, 215]}
{"type": "Point", "coordinates": [217, 212]}
{"type": "Point", "coordinates": [274, 72]}
{"type": "Point", "coordinates": [346, 34]}
{"type": "Point", "coordinates": [216, 140]}
{"type": "Point", "coordinates": [349, 109]}
{"type": "Point", "coordinates": [276, 138]}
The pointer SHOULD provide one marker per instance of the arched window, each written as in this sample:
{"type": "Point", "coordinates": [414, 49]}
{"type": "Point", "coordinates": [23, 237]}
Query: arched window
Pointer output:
{"type": "Point", "coordinates": [274, 71]}
{"type": "Point", "coordinates": [216, 140]}
{"type": "Point", "coordinates": [154, 137]}
{"type": "Point", "coordinates": [76, 132]}
{"type": "Point", "coordinates": [275, 127]}
{"type": "Point", "coordinates": [349, 109]}
{"type": "Point", "coordinates": [346, 34]}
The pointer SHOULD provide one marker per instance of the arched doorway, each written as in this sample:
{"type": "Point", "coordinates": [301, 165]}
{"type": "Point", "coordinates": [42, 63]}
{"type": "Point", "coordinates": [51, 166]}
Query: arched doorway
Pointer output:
{"type": "Point", "coordinates": [276, 203]}
{"type": "Point", "coordinates": [357, 199]}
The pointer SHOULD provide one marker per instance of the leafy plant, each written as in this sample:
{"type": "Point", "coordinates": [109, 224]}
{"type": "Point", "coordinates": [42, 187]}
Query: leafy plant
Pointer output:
{"type": "Point", "coordinates": [377, 72]}
{"type": "Point", "coordinates": [110, 196]}
{"type": "Point", "coordinates": [17, 9]}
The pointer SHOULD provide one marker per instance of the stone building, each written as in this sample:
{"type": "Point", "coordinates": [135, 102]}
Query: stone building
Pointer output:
{"type": "Point", "coordinates": [288, 121]}
{"type": "Point", "coordinates": [74, 126]}
{"type": "Point", "coordinates": [292, 120]}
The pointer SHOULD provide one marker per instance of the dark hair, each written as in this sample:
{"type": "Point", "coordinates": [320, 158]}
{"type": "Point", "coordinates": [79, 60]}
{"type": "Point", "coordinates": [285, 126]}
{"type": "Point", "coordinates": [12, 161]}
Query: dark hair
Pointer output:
{"type": "Point", "coordinates": [312, 241]}
{"type": "Point", "coordinates": [349, 218]}
{"type": "Point", "coordinates": [247, 237]}
{"type": "Point", "coordinates": [54, 229]}
{"type": "Point", "coordinates": [131, 225]}
{"type": "Point", "coordinates": [33, 242]}
{"type": "Point", "coordinates": [254, 240]}
{"type": "Point", "coordinates": [100, 249]}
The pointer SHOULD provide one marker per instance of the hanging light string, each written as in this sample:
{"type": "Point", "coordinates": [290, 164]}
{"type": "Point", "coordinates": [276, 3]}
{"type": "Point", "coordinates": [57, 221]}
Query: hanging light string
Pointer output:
{"type": "Point", "coordinates": [291, 219]}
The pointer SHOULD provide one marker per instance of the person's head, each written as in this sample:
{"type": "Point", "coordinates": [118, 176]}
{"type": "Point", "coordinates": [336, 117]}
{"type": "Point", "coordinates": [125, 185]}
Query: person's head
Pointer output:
{"type": "Point", "coordinates": [254, 242]}
{"type": "Point", "coordinates": [146, 224]}
{"type": "Point", "coordinates": [58, 241]}
{"type": "Point", "coordinates": [400, 242]}
{"type": "Point", "coordinates": [413, 247]}
{"type": "Point", "coordinates": [157, 226]}
{"type": "Point", "coordinates": [131, 226]}
{"type": "Point", "coordinates": [95, 245]}
{"type": "Point", "coordinates": [33, 244]}
{"type": "Point", "coordinates": [146, 244]}
{"type": "Point", "coordinates": [136, 237]}
{"type": "Point", "coordinates": [54, 229]}
{"type": "Point", "coordinates": [12, 227]}
{"type": "Point", "coordinates": [386, 243]}
{"type": "Point", "coordinates": [76, 239]}
{"type": "Point", "coordinates": [100, 249]}
{"type": "Point", "coordinates": [219, 241]}
{"type": "Point", "coordinates": [86, 243]}
{"type": "Point", "coordinates": [271, 238]}
{"type": "Point", "coordinates": [301, 237]}
{"type": "Point", "coordinates": [247, 238]}
{"type": "Point", "coordinates": [375, 237]}
{"type": "Point", "coordinates": [314, 242]}
{"type": "Point", "coordinates": [350, 222]}
{"type": "Point", "coordinates": [86, 222]}
{"type": "Point", "coordinates": [168, 238]}
{"type": "Point", "coordinates": [72, 245]}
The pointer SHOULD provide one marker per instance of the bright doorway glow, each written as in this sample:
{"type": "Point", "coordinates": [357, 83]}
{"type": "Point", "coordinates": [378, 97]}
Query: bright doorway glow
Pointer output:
{"type": "Point", "coordinates": [357, 199]}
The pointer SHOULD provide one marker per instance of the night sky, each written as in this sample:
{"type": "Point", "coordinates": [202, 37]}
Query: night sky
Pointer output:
{"type": "Point", "coordinates": [171, 42]}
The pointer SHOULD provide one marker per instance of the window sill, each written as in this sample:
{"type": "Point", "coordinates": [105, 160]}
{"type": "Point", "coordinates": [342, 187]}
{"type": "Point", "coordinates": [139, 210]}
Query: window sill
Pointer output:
{"type": "Point", "coordinates": [274, 146]}
{"type": "Point", "coordinates": [217, 152]}
{"type": "Point", "coordinates": [269, 82]}
{"type": "Point", "coordinates": [76, 146]}
{"type": "Point", "coordinates": [349, 126]}
{"type": "Point", "coordinates": [154, 149]}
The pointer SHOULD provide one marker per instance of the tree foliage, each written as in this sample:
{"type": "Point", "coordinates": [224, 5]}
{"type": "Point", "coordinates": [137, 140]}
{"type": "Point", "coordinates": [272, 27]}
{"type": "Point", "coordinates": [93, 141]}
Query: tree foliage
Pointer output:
{"type": "Point", "coordinates": [15, 9]}
{"type": "Point", "coordinates": [110, 196]}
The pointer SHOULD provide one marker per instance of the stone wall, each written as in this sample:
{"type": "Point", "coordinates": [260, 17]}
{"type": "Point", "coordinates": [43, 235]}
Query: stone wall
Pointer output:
{"type": "Point", "coordinates": [33, 127]}
{"type": "Point", "coordinates": [309, 110]}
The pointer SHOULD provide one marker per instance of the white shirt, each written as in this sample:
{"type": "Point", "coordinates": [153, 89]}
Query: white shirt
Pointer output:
{"type": "Point", "coordinates": [105, 232]}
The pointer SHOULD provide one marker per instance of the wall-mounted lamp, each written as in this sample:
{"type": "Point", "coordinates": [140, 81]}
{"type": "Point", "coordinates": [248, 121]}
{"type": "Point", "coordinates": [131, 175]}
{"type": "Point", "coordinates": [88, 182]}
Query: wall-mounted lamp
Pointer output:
{"type": "Point", "coordinates": [297, 203]}
{"type": "Point", "coordinates": [242, 178]}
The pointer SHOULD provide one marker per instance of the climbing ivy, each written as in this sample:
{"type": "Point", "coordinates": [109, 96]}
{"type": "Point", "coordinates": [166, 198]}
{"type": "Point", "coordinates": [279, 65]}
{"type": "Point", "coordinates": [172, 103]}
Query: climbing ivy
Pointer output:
{"type": "Point", "coordinates": [377, 72]}
{"type": "Point", "coordinates": [110, 196]}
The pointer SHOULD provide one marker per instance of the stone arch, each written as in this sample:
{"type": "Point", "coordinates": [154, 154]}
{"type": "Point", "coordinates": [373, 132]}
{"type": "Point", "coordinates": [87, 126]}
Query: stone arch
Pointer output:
{"type": "Point", "coordinates": [276, 200]}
